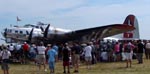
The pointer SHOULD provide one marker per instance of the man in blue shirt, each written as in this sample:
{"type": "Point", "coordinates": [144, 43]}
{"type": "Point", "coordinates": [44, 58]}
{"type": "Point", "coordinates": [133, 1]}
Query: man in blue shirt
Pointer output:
{"type": "Point", "coordinates": [51, 59]}
{"type": "Point", "coordinates": [55, 47]}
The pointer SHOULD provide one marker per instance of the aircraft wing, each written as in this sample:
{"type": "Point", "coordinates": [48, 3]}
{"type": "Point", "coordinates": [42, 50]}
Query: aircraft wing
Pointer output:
{"type": "Point", "coordinates": [100, 32]}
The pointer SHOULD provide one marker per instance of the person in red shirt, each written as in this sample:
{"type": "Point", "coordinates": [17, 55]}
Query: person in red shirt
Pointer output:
{"type": "Point", "coordinates": [25, 51]}
{"type": "Point", "coordinates": [25, 46]}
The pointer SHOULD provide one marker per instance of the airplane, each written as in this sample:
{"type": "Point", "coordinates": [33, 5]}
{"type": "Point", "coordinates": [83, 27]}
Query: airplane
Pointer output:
{"type": "Point", "coordinates": [50, 34]}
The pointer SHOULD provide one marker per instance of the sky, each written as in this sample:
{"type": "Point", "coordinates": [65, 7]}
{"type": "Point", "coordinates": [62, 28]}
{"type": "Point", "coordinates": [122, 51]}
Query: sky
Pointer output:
{"type": "Point", "coordinates": [75, 14]}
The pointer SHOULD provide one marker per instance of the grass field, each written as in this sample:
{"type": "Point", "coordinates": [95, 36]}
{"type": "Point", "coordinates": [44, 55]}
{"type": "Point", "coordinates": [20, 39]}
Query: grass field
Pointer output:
{"type": "Point", "coordinates": [100, 68]}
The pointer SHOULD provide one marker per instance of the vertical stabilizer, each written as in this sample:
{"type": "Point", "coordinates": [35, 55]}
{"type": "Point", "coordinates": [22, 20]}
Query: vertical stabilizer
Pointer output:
{"type": "Point", "coordinates": [131, 21]}
{"type": "Point", "coordinates": [130, 35]}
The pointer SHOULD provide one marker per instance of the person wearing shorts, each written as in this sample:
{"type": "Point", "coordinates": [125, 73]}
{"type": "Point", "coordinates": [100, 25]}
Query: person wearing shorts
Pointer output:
{"type": "Point", "coordinates": [76, 56]}
{"type": "Point", "coordinates": [40, 57]}
{"type": "Point", "coordinates": [88, 56]}
{"type": "Point", "coordinates": [5, 54]}
{"type": "Point", "coordinates": [128, 51]}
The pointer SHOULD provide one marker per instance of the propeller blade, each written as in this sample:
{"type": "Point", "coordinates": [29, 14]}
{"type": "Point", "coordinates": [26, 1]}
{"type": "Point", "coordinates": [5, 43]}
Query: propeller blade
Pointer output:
{"type": "Point", "coordinates": [30, 35]}
{"type": "Point", "coordinates": [27, 32]}
{"type": "Point", "coordinates": [42, 29]}
{"type": "Point", "coordinates": [46, 31]}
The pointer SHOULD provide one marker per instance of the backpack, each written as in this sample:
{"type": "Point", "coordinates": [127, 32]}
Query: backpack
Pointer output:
{"type": "Point", "coordinates": [128, 48]}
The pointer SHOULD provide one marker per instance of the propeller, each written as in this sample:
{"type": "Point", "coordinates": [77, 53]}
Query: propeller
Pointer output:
{"type": "Point", "coordinates": [46, 31]}
{"type": "Point", "coordinates": [27, 32]}
{"type": "Point", "coordinates": [30, 35]}
{"type": "Point", "coordinates": [42, 29]}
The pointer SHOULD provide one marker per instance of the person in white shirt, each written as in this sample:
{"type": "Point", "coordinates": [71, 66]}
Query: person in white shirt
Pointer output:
{"type": "Point", "coordinates": [18, 47]}
{"type": "Point", "coordinates": [5, 54]}
{"type": "Point", "coordinates": [147, 50]}
{"type": "Point", "coordinates": [11, 48]}
{"type": "Point", "coordinates": [40, 57]}
{"type": "Point", "coordinates": [88, 56]}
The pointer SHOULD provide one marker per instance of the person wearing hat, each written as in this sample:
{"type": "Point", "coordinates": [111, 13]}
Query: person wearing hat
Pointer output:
{"type": "Point", "coordinates": [4, 55]}
{"type": "Point", "coordinates": [52, 54]}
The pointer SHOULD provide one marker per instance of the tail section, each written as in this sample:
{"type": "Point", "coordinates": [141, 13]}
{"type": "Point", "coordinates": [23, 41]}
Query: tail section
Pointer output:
{"type": "Point", "coordinates": [131, 21]}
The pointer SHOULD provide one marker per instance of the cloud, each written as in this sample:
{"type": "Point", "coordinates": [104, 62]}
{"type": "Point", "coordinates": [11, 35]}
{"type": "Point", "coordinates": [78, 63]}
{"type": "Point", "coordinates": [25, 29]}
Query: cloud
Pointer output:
{"type": "Point", "coordinates": [73, 14]}
{"type": "Point", "coordinates": [36, 8]}
{"type": "Point", "coordinates": [95, 15]}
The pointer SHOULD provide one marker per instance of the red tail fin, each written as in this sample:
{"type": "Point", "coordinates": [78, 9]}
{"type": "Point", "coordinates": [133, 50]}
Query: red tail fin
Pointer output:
{"type": "Point", "coordinates": [131, 21]}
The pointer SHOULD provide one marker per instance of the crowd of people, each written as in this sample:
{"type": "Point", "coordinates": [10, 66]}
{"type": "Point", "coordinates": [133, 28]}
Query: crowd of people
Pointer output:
{"type": "Point", "coordinates": [74, 53]}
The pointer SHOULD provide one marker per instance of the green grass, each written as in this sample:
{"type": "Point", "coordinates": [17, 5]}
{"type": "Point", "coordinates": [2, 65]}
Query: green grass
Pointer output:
{"type": "Point", "coordinates": [100, 68]}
